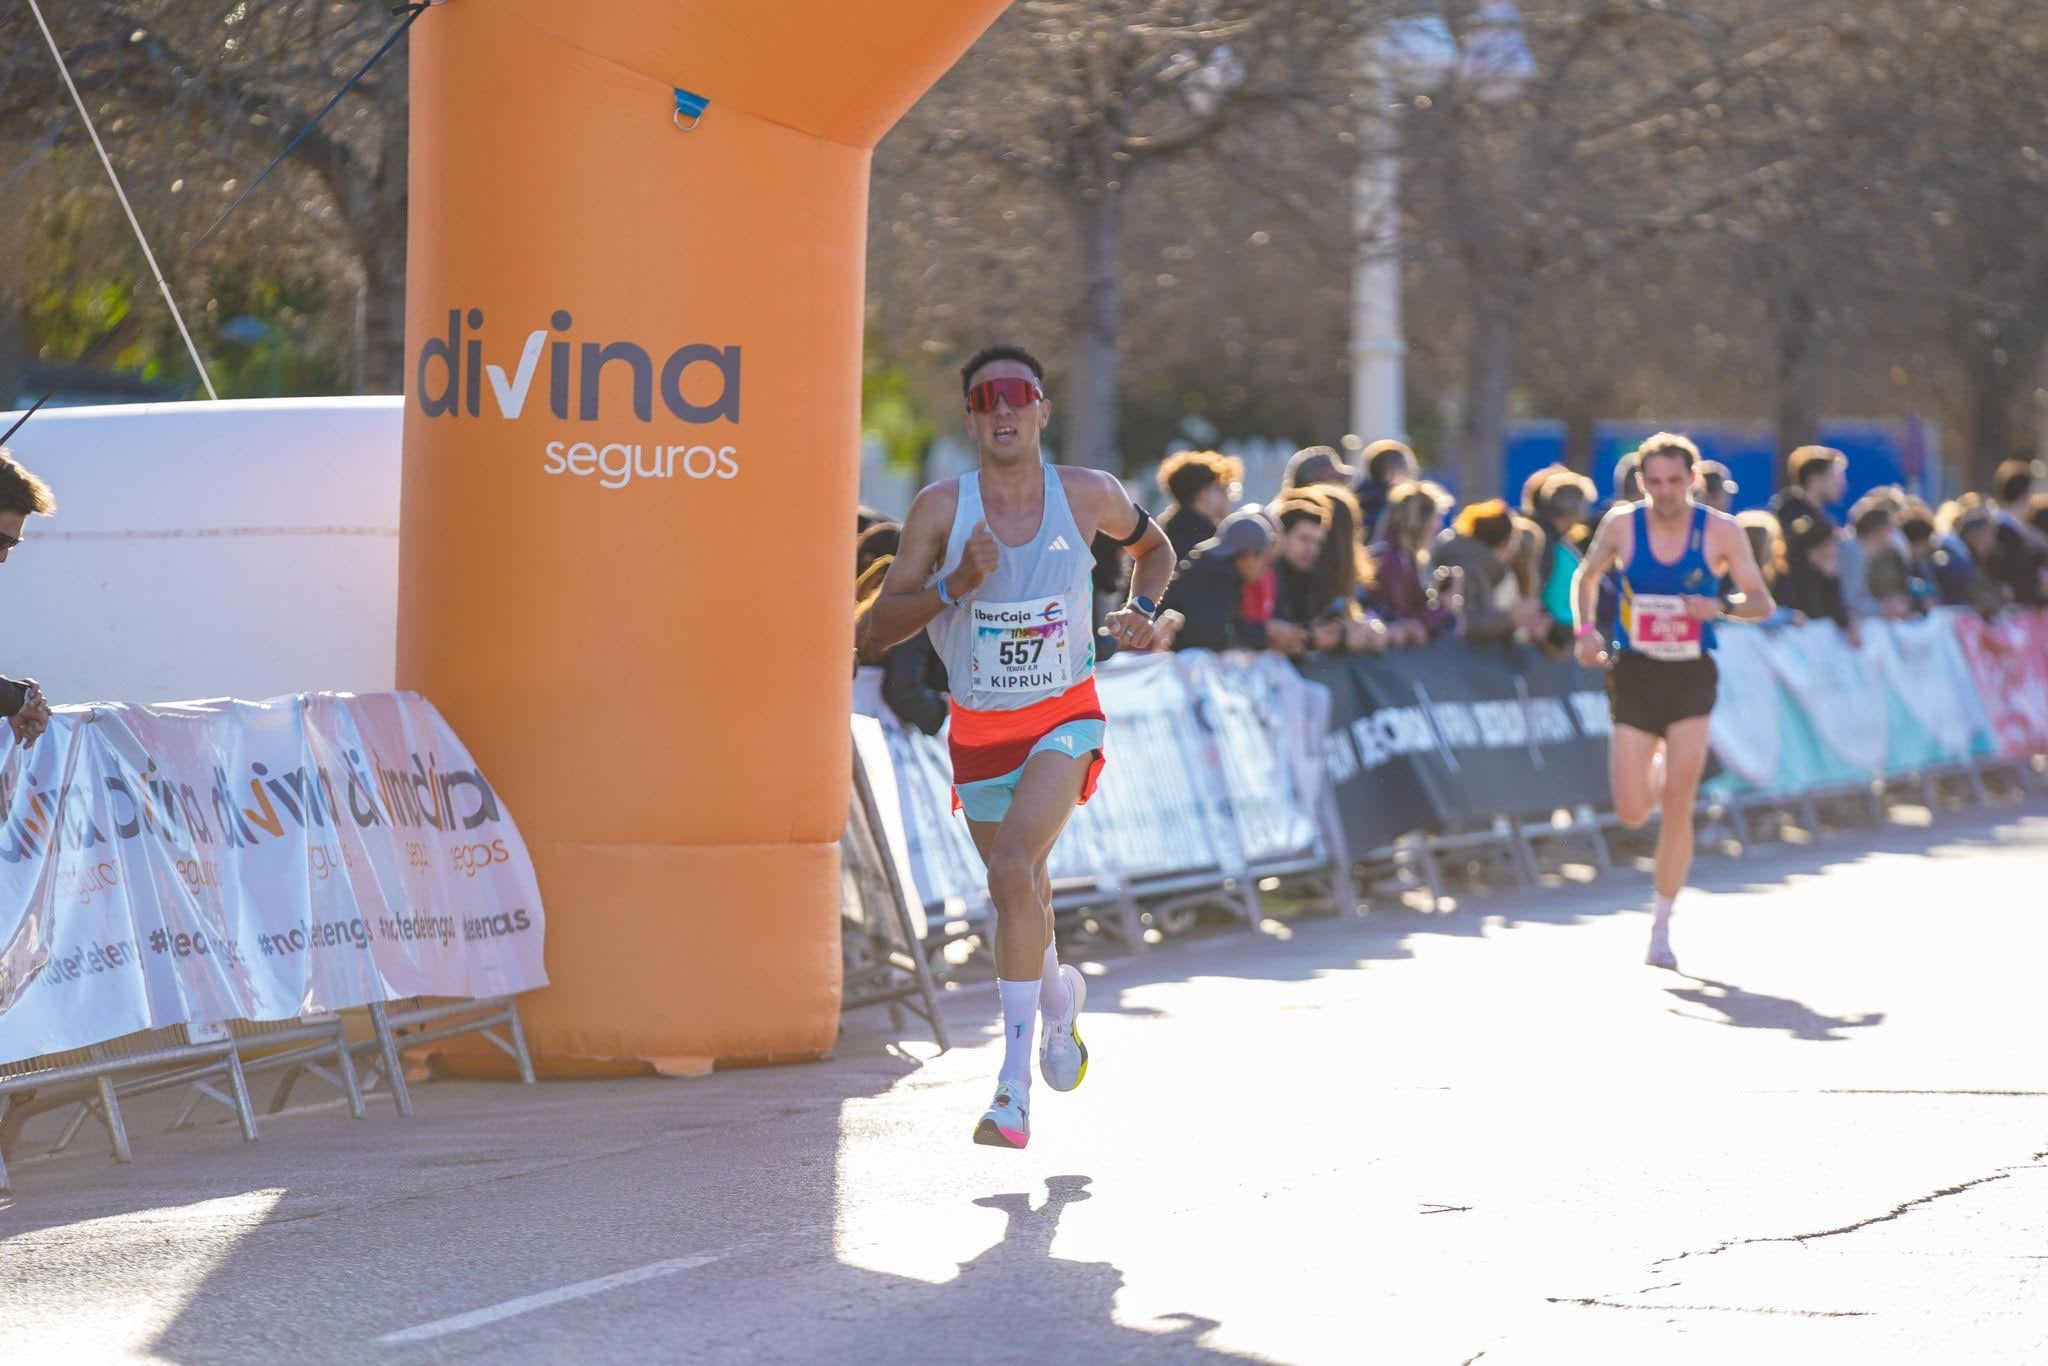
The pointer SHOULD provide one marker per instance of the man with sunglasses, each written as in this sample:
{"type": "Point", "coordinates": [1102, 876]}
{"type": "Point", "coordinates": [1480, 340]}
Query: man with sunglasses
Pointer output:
{"type": "Point", "coordinates": [996, 565]}
{"type": "Point", "coordinates": [22, 496]}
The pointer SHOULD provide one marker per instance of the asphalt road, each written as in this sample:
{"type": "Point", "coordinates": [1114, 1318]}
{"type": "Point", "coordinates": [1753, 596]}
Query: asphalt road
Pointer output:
{"type": "Point", "coordinates": [1491, 1135]}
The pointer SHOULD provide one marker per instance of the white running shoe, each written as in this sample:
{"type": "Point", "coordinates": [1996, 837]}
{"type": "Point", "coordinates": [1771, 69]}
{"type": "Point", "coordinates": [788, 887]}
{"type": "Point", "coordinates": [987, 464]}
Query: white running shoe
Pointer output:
{"type": "Point", "coordinates": [1062, 1057]}
{"type": "Point", "coordinates": [1008, 1121]}
{"type": "Point", "coordinates": [1660, 955]}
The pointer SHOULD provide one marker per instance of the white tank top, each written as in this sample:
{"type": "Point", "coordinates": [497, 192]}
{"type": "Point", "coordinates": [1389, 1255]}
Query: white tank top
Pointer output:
{"type": "Point", "coordinates": [1027, 633]}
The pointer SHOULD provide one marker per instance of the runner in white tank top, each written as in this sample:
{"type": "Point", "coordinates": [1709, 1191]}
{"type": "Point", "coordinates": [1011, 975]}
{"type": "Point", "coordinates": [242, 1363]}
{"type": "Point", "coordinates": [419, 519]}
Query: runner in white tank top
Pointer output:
{"type": "Point", "coordinates": [996, 566]}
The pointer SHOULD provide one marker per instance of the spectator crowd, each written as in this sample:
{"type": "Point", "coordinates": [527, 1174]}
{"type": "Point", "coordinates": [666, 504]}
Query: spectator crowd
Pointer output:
{"type": "Point", "coordinates": [1378, 557]}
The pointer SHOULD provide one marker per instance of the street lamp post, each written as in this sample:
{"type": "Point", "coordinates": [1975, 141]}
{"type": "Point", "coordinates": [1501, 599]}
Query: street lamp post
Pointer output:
{"type": "Point", "coordinates": [1416, 53]}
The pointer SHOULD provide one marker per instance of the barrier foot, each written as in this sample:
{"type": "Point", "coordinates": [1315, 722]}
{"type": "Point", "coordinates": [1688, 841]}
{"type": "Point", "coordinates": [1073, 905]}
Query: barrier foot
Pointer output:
{"type": "Point", "coordinates": [1974, 775]}
{"type": "Point", "coordinates": [1343, 872]}
{"type": "Point", "coordinates": [1248, 897]}
{"type": "Point", "coordinates": [1432, 871]}
{"type": "Point", "coordinates": [1603, 857]}
{"type": "Point", "coordinates": [394, 1075]}
{"type": "Point", "coordinates": [1130, 922]}
{"type": "Point", "coordinates": [238, 1081]}
{"type": "Point", "coordinates": [518, 1033]}
{"type": "Point", "coordinates": [110, 1115]}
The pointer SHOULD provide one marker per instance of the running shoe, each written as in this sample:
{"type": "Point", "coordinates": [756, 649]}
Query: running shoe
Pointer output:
{"type": "Point", "coordinates": [1008, 1121]}
{"type": "Point", "coordinates": [1062, 1057]}
{"type": "Point", "coordinates": [1661, 956]}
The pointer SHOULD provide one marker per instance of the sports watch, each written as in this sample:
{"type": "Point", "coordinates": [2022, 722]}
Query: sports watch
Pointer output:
{"type": "Point", "coordinates": [1145, 605]}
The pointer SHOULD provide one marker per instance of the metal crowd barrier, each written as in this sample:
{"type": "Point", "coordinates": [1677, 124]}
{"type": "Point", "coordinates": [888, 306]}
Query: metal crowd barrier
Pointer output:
{"type": "Point", "coordinates": [97, 1079]}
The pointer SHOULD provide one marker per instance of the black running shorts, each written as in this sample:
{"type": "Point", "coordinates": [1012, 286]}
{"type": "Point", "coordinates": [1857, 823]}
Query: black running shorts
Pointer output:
{"type": "Point", "coordinates": [1651, 694]}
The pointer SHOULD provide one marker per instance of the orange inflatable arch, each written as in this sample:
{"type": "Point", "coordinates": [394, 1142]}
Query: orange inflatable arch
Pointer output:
{"type": "Point", "coordinates": [631, 435]}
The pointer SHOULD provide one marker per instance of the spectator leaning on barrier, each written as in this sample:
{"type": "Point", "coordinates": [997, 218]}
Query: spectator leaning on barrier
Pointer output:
{"type": "Point", "coordinates": [1400, 594]}
{"type": "Point", "coordinates": [1384, 465]}
{"type": "Point", "coordinates": [1475, 550]}
{"type": "Point", "coordinates": [1968, 532]}
{"type": "Point", "coordinates": [1304, 526]}
{"type": "Point", "coordinates": [1559, 505]}
{"type": "Point", "coordinates": [22, 496]}
{"type": "Point", "coordinates": [1341, 574]}
{"type": "Point", "coordinates": [1204, 486]}
{"type": "Point", "coordinates": [1813, 578]}
{"type": "Point", "coordinates": [1767, 544]}
{"type": "Point", "coordinates": [1873, 566]}
{"type": "Point", "coordinates": [1208, 590]}
{"type": "Point", "coordinates": [2019, 555]}
{"type": "Point", "coordinates": [1528, 552]}
{"type": "Point", "coordinates": [1925, 557]}
{"type": "Point", "coordinates": [1819, 477]}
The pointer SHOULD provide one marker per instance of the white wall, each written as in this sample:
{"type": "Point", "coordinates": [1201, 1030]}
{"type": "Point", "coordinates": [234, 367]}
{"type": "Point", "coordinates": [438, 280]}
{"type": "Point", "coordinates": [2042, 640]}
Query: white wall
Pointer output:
{"type": "Point", "coordinates": [245, 549]}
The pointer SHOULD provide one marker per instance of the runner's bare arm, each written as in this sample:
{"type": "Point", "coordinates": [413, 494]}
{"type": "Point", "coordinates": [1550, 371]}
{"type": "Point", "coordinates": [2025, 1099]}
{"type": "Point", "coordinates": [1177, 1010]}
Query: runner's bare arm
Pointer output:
{"type": "Point", "coordinates": [1601, 556]}
{"type": "Point", "coordinates": [1117, 517]}
{"type": "Point", "coordinates": [1732, 543]}
{"type": "Point", "coordinates": [905, 606]}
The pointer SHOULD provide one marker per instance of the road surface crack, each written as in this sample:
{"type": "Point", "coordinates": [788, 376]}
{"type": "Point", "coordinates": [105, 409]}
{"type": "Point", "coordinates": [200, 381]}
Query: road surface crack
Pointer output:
{"type": "Point", "coordinates": [1717, 1309]}
{"type": "Point", "coordinates": [1895, 1212]}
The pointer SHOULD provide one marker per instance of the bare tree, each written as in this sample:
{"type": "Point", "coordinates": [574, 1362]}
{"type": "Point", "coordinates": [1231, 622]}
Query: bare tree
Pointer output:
{"type": "Point", "coordinates": [231, 82]}
{"type": "Point", "coordinates": [1091, 92]}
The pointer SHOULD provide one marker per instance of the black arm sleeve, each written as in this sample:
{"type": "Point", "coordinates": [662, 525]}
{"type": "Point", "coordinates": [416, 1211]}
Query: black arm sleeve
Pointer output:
{"type": "Point", "coordinates": [1138, 533]}
{"type": "Point", "coordinates": [13, 697]}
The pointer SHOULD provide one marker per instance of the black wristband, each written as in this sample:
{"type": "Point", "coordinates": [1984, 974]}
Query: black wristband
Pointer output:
{"type": "Point", "coordinates": [13, 697]}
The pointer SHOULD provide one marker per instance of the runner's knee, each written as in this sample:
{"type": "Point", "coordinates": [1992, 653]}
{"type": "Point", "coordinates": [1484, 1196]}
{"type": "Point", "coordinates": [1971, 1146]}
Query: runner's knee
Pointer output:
{"type": "Point", "coordinates": [1634, 811]}
{"type": "Point", "coordinates": [1012, 872]}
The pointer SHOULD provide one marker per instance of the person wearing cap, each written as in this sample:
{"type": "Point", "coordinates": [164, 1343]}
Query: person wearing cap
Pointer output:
{"type": "Point", "coordinates": [1715, 487]}
{"type": "Point", "coordinates": [1208, 590]}
{"type": "Point", "coordinates": [1314, 465]}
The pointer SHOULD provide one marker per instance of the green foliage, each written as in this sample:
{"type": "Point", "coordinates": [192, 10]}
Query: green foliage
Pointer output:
{"type": "Point", "coordinates": [893, 412]}
{"type": "Point", "coordinates": [263, 335]}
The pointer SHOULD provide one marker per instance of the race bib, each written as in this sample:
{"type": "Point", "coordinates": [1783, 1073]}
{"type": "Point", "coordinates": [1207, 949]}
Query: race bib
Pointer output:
{"type": "Point", "coordinates": [1020, 646]}
{"type": "Point", "coordinates": [1661, 628]}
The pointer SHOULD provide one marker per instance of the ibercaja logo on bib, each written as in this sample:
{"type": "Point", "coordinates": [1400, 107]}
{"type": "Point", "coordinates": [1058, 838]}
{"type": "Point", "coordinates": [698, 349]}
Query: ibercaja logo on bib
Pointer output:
{"type": "Point", "coordinates": [697, 384]}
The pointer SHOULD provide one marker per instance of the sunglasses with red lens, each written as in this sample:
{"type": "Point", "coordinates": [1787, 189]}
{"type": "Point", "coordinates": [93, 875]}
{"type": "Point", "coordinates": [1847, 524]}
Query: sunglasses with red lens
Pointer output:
{"type": "Point", "coordinates": [1015, 392]}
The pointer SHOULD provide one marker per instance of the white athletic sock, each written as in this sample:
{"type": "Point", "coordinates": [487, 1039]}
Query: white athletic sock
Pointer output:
{"type": "Point", "coordinates": [1020, 1020]}
{"type": "Point", "coordinates": [1052, 983]}
{"type": "Point", "coordinates": [1660, 920]}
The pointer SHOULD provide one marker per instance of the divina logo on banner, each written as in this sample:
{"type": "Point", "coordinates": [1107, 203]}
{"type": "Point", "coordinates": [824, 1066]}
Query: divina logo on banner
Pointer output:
{"type": "Point", "coordinates": [697, 383]}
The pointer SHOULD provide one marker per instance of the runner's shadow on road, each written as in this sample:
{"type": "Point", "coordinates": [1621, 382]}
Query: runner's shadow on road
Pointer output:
{"type": "Point", "coordinates": [1756, 1010]}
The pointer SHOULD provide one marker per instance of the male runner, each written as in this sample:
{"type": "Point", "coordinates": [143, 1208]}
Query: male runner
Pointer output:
{"type": "Point", "coordinates": [996, 565]}
{"type": "Point", "coordinates": [1672, 554]}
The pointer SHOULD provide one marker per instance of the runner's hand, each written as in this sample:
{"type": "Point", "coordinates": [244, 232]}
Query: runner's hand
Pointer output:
{"type": "Point", "coordinates": [1130, 628]}
{"type": "Point", "coordinates": [1590, 651]}
{"type": "Point", "coordinates": [33, 719]}
{"type": "Point", "coordinates": [1703, 609]}
{"type": "Point", "coordinates": [977, 561]}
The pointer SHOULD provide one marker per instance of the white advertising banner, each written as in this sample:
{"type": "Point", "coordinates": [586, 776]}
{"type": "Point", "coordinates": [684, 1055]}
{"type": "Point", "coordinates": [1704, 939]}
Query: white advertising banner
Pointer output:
{"type": "Point", "coordinates": [1924, 663]}
{"type": "Point", "coordinates": [215, 861]}
{"type": "Point", "coordinates": [1839, 689]}
{"type": "Point", "coordinates": [1744, 726]}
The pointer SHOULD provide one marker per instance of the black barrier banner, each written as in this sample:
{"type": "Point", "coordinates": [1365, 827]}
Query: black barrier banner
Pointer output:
{"type": "Point", "coordinates": [1455, 734]}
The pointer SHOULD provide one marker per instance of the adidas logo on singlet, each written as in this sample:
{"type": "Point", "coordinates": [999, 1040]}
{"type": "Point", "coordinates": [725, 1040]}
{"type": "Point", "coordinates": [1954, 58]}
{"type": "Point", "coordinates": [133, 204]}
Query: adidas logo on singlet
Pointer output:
{"type": "Point", "coordinates": [1059, 543]}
